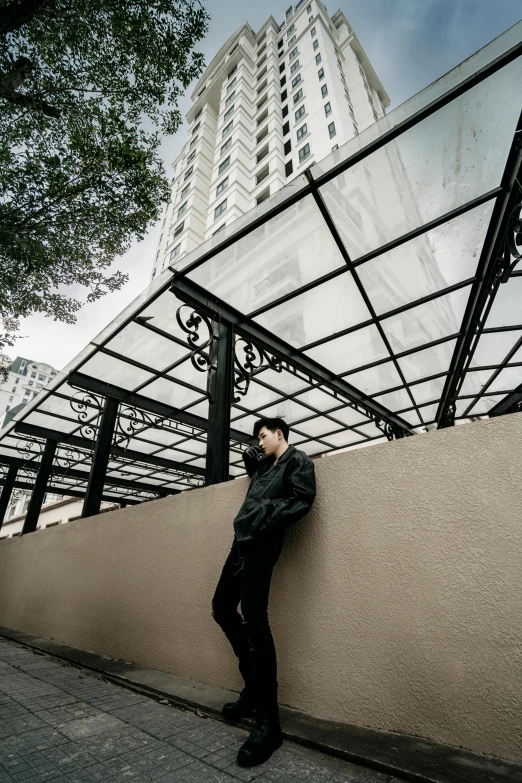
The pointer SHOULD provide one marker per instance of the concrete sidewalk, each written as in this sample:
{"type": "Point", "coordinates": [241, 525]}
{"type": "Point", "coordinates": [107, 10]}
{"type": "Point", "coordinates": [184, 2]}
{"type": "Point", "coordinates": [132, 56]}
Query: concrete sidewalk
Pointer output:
{"type": "Point", "coordinates": [60, 723]}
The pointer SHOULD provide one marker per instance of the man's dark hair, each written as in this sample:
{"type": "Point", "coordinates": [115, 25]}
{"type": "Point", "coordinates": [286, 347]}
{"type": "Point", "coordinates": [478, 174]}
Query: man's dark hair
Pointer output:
{"type": "Point", "coordinates": [272, 425]}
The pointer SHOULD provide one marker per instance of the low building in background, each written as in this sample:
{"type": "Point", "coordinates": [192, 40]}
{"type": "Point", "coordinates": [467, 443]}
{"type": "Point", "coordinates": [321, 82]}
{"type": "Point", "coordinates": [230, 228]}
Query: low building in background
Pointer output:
{"type": "Point", "coordinates": [56, 512]}
{"type": "Point", "coordinates": [26, 378]}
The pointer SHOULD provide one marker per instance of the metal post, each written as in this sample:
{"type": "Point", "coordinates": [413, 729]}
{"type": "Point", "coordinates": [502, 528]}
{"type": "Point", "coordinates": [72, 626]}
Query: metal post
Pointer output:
{"type": "Point", "coordinates": [102, 452]}
{"type": "Point", "coordinates": [40, 487]}
{"type": "Point", "coordinates": [7, 491]}
{"type": "Point", "coordinates": [220, 400]}
{"type": "Point", "coordinates": [123, 504]}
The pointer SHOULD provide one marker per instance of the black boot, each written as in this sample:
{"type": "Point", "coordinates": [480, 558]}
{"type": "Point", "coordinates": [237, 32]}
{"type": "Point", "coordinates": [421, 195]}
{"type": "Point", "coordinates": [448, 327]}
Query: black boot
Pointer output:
{"type": "Point", "coordinates": [266, 736]}
{"type": "Point", "coordinates": [242, 708]}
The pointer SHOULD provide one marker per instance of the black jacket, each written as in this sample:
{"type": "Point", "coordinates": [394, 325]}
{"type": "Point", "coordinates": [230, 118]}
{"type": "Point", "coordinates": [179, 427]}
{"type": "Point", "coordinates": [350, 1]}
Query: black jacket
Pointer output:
{"type": "Point", "coordinates": [278, 495]}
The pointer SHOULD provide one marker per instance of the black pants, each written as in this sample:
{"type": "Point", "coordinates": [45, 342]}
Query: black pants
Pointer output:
{"type": "Point", "coordinates": [246, 577]}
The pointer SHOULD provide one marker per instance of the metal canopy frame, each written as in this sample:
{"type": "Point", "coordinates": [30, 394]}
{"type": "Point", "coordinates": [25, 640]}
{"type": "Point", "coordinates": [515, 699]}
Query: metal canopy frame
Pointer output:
{"type": "Point", "coordinates": [359, 301]}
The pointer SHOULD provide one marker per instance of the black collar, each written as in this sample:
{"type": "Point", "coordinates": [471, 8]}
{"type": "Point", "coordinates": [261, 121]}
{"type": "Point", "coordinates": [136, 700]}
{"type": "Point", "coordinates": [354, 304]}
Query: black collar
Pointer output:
{"type": "Point", "coordinates": [286, 454]}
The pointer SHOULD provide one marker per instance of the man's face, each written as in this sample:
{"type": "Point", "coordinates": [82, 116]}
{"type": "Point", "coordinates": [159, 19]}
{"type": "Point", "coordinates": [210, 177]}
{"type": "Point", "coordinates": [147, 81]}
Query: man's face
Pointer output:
{"type": "Point", "coordinates": [269, 441]}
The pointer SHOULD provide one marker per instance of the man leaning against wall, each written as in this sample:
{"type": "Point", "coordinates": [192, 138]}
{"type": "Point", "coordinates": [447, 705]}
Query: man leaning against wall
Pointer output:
{"type": "Point", "coordinates": [281, 492]}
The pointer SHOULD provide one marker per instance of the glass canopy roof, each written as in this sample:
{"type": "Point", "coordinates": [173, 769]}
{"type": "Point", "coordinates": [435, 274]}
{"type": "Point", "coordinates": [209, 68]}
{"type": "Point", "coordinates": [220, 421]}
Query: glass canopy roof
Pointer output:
{"type": "Point", "coordinates": [367, 276]}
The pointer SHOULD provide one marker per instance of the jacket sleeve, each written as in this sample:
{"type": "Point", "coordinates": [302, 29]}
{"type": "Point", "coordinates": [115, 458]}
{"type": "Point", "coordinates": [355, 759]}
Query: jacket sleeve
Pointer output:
{"type": "Point", "coordinates": [252, 464]}
{"type": "Point", "coordinates": [301, 495]}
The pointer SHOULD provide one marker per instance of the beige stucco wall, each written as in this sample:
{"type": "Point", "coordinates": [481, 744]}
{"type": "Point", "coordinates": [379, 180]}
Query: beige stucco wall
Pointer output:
{"type": "Point", "coordinates": [395, 604]}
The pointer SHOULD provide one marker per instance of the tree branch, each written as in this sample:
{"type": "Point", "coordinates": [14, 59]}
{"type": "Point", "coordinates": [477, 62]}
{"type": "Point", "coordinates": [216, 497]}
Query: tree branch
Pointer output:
{"type": "Point", "coordinates": [18, 13]}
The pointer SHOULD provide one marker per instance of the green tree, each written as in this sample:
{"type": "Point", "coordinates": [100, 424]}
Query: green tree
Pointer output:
{"type": "Point", "coordinates": [87, 89]}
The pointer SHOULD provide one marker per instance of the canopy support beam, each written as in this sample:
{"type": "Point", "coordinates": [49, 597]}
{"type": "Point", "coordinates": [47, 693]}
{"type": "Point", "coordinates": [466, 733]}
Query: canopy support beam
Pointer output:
{"type": "Point", "coordinates": [7, 491]}
{"type": "Point", "coordinates": [100, 461]}
{"type": "Point", "coordinates": [198, 297]}
{"type": "Point", "coordinates": [220, 401]}
{"type": "Point", "coordinates": [116, 451]}
{"type": "Point", "coordinates": [148, 404]}
{"type": "Point", "coordinates": [490, 273]}
{"type": "Point", "coordinates": [40, 487]}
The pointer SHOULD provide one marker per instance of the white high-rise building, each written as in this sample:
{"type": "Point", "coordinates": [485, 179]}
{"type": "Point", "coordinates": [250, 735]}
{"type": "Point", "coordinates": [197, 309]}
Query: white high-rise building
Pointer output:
{"type": "Point", "coordinates": [269, 104]}
{"type": "Point", "coordinates": [26, 378]}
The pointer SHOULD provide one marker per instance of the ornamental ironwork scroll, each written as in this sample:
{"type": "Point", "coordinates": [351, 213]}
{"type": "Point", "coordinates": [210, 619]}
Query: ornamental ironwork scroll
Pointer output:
{"type": "Point", "coordinates": [254, 361]}
{"type": "Point", "coordinates": [132, 421]}
{"type": "Point", "coordinates": [81, 403]}
{"type": "Point", "coordinates": [190, 322]}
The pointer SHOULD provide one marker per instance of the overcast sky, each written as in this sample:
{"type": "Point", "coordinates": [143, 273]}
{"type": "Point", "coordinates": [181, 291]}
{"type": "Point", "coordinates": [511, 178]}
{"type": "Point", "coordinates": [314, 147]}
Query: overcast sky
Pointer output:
{"type": "Point", "coordinates": [410, 44]}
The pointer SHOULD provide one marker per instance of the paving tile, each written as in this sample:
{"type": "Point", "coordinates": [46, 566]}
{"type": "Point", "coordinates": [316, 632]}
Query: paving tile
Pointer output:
{"type": "Point", "coordinates": [63, 724]}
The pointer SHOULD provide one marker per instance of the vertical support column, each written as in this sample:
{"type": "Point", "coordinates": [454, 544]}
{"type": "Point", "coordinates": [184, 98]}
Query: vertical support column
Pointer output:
{"type": "Point", "coordinates": [7, 491]}
{"type": "Point", "coordinates": [40, 487]}
{"type": "Point", "coordinates": [102, 451]}
{"type": "Point", "coordinates": [220, 389]}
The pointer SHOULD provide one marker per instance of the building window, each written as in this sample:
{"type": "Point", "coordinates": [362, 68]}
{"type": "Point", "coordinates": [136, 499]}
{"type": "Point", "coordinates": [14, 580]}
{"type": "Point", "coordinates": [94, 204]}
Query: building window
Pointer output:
{"type": "Point", "coordinates": [33, 375]}
{"type": "Point", "coordinates": [284, 96]}
{"type": "Point", "coordinates": [304, 152]}
{"type": "Point", "coordinates": [262, 101]}
{"type": "Point", "coordinates": [224, 165]}
{"type": "Point", "coordinates": [324, 90]}
{"type": "Point", "coordinates": [13, 389]}
{"type": "Point", "coordinates": [195, 128]}
{"type": "Point", "coordinates": [198, 114]}
{"type": "Point", "coordinates": [262, 87]}
{"type": "Point", "coordinates": [184, 191]}
{"type": "Point", "coordinates": [299, 113]}
{"type": "Point", "coordinates": [262, 154]}
{"type": "Point", "coordinates": [298, 96]}
{"type": "Point", "coordinates": [286, 128]}
{"type": "Point", "coordinates": [301, 132]}
{"type": "Point", "coordinates": [175, 252]}
{"type": "Point", "coordinates": [193, 142]}
{"type": "Point", "coordinates": [178, 230]}
{"type": "Point", "coordinates": [316, 44]}
{"type": "Point", "coordinates": [294, 67]}
{"type": "Point", "coordinates": [227, 129]}
{"type": "Point", "coordinates": [296, 81]}
{"type": "Point", "coordinates": [312, 32]}
{"type": "Point", "coordinates": [331, 129]}
{"type": "Point", "coordinates": [282, 67]}
{"type": "Point", "coordinates": [220, 209]}
{"type": "Point", "coordinates": [289, 167]}
{"type": "Point", "coordinates": [188, 173]}
{"type": "Point", "coordinates": [290, 30]}
{"type": "Point", "coordinates": [191, 156]}
{"type": "Point", "coordinates": [280, 43]}
{"type": "Point", "coordinates": [285, 111]}
{"type": "Point", "coordinates": [355, 129]}
{"type": "Point", "coordinates": [287, 147]}
{"type": "Point", "coordinates": [335, 147]}
{"type": "Point", "coordinates": [222, 185]}
{"type": "Point", "coordinates": [327, 109]}
{"type": "Point", "coordinates": [220, 228]}
{"type": "Point", "coordinates": [309, 9]}
{"type": "Point", "coordinates": [231, 85]}
{"type": "Point", "coordinates": [293, 53]}
{"type": "Point", "coordinates": [292, 39]}
{"type": "Point", "coordinates": [289, 13]}
{"type": "Point", "coordinates": [262, 135]}
{"type": "Point", "coordinates": [282, 81]}
{"type": "Point", "coordinates": [232, 72]}
{"type": "Point", "coordinates": [310, 19]}
{"type": "Point", "coordinates": [318, 58]}
{"type": "Point", "coordinates": [230, 98]}
{"type": "Point", "coordinates": [263, 174]}
{"type": "Point", "coordinates": [228, 113]}
{"type": "Point", "coordinates": [263, 196]}
{"type": "Point", "coordinates": [262, 117]}
{"type": "Point", "coordinates": [320, 73]}
{"type": "Point", "coordinates": [182, 209]}
{"type": "Point", "coordinates": [225, 146]}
